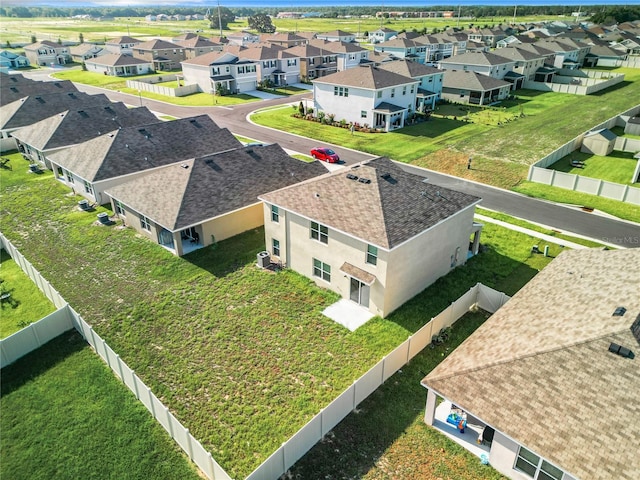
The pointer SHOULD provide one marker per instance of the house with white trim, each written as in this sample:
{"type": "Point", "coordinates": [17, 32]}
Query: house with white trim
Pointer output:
{"type": "Point", "coordinates": [381, 35]}
{"type": "Point", "coordinates": [224, 70]}
{"type": "Point", "coordinates": [119, 65]}
{"type": "Point", "coordinates": [489, 64]}
{"type": "Point", "coordinates": [430, 78]}
{"type": "Point", "coordinates": [122, 45]}
{"type": "Point", "coordinates": [46, 52]}
{"type": "Point", "coordinates": [337, 36]}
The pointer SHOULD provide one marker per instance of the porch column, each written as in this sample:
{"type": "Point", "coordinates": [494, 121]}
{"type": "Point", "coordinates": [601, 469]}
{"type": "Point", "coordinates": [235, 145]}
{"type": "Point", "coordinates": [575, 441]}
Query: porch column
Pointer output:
{"type": "Point", "coordinates": [177, 243]}
{"type": "Point", "coordinates": [430, 410]}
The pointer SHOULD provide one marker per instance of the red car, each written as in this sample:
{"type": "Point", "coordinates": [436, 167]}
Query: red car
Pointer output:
{"type": "Point", "coordinates": [325, 154]}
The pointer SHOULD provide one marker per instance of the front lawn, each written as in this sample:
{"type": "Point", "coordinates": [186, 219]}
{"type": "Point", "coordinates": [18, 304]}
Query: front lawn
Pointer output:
{"type": "Point", "coordinates": [242, 357]}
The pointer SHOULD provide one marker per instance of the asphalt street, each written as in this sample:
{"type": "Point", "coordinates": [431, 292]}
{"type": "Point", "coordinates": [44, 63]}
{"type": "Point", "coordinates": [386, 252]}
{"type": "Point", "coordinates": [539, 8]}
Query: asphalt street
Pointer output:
{"type": "Point", "coordinates": [559, 217]}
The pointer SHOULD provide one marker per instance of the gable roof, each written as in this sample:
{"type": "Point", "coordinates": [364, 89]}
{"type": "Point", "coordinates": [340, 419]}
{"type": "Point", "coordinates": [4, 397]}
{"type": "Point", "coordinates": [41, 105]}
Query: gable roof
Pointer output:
{"type": "Point", "coordinates": [117, 59]}
{"type": "Point", "coordinates": [365, 76]}
{"type": "Point", "coordinates": [409, 68]}
{"type": "Point", "coordinates": [11, 91]}
{"type": "Point", "coordinates": [212, 58]}
{"type": "Point", "coordinates": [43, 43]}
{"type": "Point", "coordinates": [122, 40]}
{"type": "Point", "coordinates": [543, 360]}
{"type": "Point", "coordinates": [14, 79]}
{"type": "Point", "coordinates": [515, 53]}
{"type": "Point", "coordinates": [338, 46]}
{"type": "Point", "coordinates": [477, 58]}
{"type": "Point", "coordinates": [190, 192]}
{"type": "Point", "coordinates": [134, 149]}
{"type": "Point", "coordinates": [337, 33]}
{"type": "Point", "coordinates": [471, 81]}
{"type": "Point", "coordinates": [77, 126]}
{"type": "Point", "coordinates": [156, 44]}
{"type": "Point", "coordinates": [392, 208]}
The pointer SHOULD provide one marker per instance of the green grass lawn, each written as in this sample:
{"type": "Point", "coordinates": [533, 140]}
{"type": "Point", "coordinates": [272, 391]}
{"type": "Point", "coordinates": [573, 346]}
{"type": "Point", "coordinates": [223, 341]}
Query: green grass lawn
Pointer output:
{"type": "Point", "coordinates": [65, 415]}
{"type": "Point", "coordinates": [616, 167]}
{"type": "Point", "coordinates": [241, 356]}
{"type": "Point", "coordinates": [27, 303]}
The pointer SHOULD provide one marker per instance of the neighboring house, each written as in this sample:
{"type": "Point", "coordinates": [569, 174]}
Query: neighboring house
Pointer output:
{"type": "Point", "coordinates": [220, 72]}
{"type": "Point", "coordinates": [526, 64]}
{"type": "Point", "coordinates": [381, 35]}
{"type": "Point", "coordinates": [119, 65]}
{"type": "Point", "coordinates": [284, 39]}
{"type": "Point", "coordinates": [195, 45]}
{"type": "Point", "coordinates": [484, 63]}
{"type": "Point", "coordinates": [373, 233]}
{"type": "Point", "coordinates": [347, 55]}
{"type": "Point", "coordinates": [487, 36]}
{"type": "Point", "coordinates": [450, 44]}
{"type": "Point", "coordinates": [47, 53]}
{"type": "Point", "coordinates": [430, 78]}
{"type": "Point", "coordinates": [10, 91]}
{"type": "Point", "coordinates": [32, 109]}
{"type": "Point", "coordinates": [121, 45]}
{"type": "Point", "coordinates": [632, 127]}
{"type": "Point", "coordinates": [599, 142]}
{"type": "Point", "coordinates": [202, 200]}
{"type": "Point", "coordinates": [547, 377]}
{"type": "Point", "coordinates": [72, 127]}
{"type": "Point", "coordinates": [403, 48]}
{"type": "Point", "coordinates": [126, 153]}
{"type": "Point", "coordinates": [604, 56]}
{"type": "Point", "coordinates": [85, 51]}
{"type": "Point", "coordinates": [366, 95]}
{"type": "Point", "coordinates": [315, 62]}
{"type": "Point", "coordinates": [337, 36]}
{"type": "Point", "coordinates": [10, 60]}
{"type": "Point", "coordinates": [243, 38]}
{"type": "Point", "coordinates": [280, 67]}
{"type": "Point", "coordinates": [565, 56]}
{"type": "Point", "coordinates": [509, 41]}
{"type": "Point", "coordinates": [473, 88]}
{"type": "Point", "coordinates": [164, 55]}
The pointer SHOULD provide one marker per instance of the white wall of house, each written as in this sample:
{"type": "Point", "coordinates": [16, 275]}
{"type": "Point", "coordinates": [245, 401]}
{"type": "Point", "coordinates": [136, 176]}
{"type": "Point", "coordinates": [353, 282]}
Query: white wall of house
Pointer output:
{"type": "Point", "coordinates": [199, 74]}
{"type": "Point", "coordinates": [351, 60]}
{"type": "Point", "coordinates": [246, 76]}
{"type": "Point", "coordinates": [528, 68]}
{"type": "Point", "coordinates": [118, 70]}
{"type": "Point", "coordinates": [7, 142]}
{"type": "Point", "coordinates": [495, 71]}
{"type": "Point", "coordinates": [432, 83]}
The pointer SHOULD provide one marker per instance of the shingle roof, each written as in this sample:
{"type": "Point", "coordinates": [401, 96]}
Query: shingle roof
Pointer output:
{"type": "Point", "coordinates": [338, 47]}
{"type": "Point", "coordinates": [156, 44]}
{"type": "Point", "coordinates": [399, 43]}
{"type": "Point", "coordinates": [10, 91]}
{"type": "Point", "coordinates": [337, 33]}
{"type": "Point", "coordinates": [34, 108]}
{"type": "Point", "coordinates": [471, 81]}
{"type": "Point", "coordinates": [122, 40]}
{"type": "Point", "coordinates": [42, 43]}
{"type": "Point", "coordinates": [116, 59]}
{"type": "Point", "coordinates": [516, 53]}
{"type": "Point", "coordinates": [77, 126]}
{"type": "Point", "coordinates": [477, 58]}
{"type": "Point", "coordinates": [539, 369]}
{"type": "Point", "coordinates": [14, 79]}
{"type": "Point", "coordinates": [365, 76]}
{"type": "Point", "coordinates": [134, 149]}
{"type": "Point", "coordinates": [409, 68]}
{"type": "Point", "coordinates": [177, 197]}
{"type": "Point", "coordinates": [196, 42]}
{"type": "Point", "coordinates": [392, 208]}
{"type": "Point", "coordinates": [211, 58]}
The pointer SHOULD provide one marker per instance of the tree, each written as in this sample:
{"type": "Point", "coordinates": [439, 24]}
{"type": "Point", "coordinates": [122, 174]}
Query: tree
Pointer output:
{"type": "Point", "coordinates": [262, 23]}
{"type": "Point", "coordinates": [33, 39]}
{"type": "Point", "coordinates": [220, 15]}
{"type": "Point", "coordinates": [81, 38]}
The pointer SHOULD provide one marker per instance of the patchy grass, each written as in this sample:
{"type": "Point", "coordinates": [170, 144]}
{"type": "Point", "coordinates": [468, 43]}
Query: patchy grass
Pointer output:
{"type": "Point", "coordinates": [241, 356]}
{"type": "Point", "coordinates": [27, 303]}
{"type": "Point", "coordinates": [616, 167]}
{"type": "Point", "coordinates": [65, 415]}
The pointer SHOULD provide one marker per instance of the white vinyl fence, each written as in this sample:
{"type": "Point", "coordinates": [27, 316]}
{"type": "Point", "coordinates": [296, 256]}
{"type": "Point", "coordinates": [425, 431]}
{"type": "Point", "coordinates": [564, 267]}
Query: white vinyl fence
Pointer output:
{"type": "Point", "coordinates": [37, 334]}
{"type": "Point", "coordinates": [149, 85]}
{"type": "Point", "coordinates": [302, 441]}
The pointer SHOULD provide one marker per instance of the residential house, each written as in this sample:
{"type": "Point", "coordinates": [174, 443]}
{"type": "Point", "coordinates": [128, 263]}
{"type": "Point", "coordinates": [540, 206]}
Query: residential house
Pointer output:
{"type": "Point", "coordinates": [430, 78]}
{"type": "Point", "coordinates": [450, 44]}
{"type": "Point", "coordinates": [283, 39]}
{"type": "Point", "coordinates": [347, 55]}
{"type": "Point", "coordinates": [582, 47]}
{"type": "Point", "coordinates": [484, 63]}
{"type": "Point", "coordinates": [547, 72]}
{"type": "Point", "coordinates": [381, 35]}
{"type": "Point", "coordinates": [243, 38]}
{"type": "Point", "coordinates": [10, 60]}
{"type": "Point", "coordinates": [434, 47]}
{"type": "Point", "coordinates": [565, 56]}
{"type": "Point", "coordinates": [403, 48]}
{"type": "Point", "coordinates": [164, 55]}
{"type": "Point", "coordinates": [72, 127]}
{"type": "Point", "coordinates": [474, 88]}
{"type": "Point", "coordinates": [604, 56]}
{"type": "Point", "coordinates": [121, 45]}
{"type": "Point", "coordinates": [85, 51]}
{"type": "Point", "coordinates": [10, 91]}
{"type": "Point", "coordinates": [47, 53]}
{"type": "Point", "coordinates": [315, 61]}
{"type": "Point", "coordinates": [487, 36]}
{"type": "Point", "coordinates": [509, 41]}
{"type": "Point", "coordinates": [553, 376]}
{"type": "Point", "coordinates": [195, 45]}
{"type": "Point", "coordinates": [33, 108]}
{"type": "Point", "coordinates": [199, 201]}
{"type": "Point", "coordinates": [275, 65]}
{"type": "Point", "coordinates": [123, 154]}
{"type": "Point", "coordinates": [221, 72]}
{"type": "Point", "coordinates": [337, 36]}
{"type": "Point", "coordinates": [526, 64]}
{"type": "Point", "coordinates": [374, 233]}
{"type": "Point", "coordinates": [366, 95]}
{"type": "Point", "coordinates": [119, 65]}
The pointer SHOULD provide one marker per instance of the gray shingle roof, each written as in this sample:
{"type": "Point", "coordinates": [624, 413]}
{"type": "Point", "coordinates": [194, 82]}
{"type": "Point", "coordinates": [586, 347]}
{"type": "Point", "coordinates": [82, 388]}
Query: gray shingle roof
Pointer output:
{"type": "Point", "coordinates": [409, 68]}
{"type": "Point", "coordinates": [156, 44]}
{"type": "Point", "coordinates": [539, 369]}
{"type": "Point", "coordinates": [516, 53]}
{"type": "Point", "coordinates": [77, 126]}
{"type": "Point", "coordinates": [134, 149]}
{"type": "Point", "coordinates": [392, 208]}
{"type": "Point", "coordinates": [471, 81]}
{"type": "Point", "coordinates": [177, 197]}
{"type": "Point", "coordinates": [477, 58]}
{"type": "Point", "coordinates": [34, 108]}
{"type": "Point", "coordinates": [116, 59]}
{"type": "Point", "coordinates": [365, 76]}
{"type": "Point", "coordinates": [10, 91]}
{"type": "Point", "coordinates": [14, 79]}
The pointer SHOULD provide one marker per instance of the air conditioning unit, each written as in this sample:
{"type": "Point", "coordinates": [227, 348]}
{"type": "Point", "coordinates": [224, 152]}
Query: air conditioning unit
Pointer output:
{"type": "Point", "coordinates": [83, 204]}
{"type": "Point", "coordinates": [103, 218]}
{"type": "Point", "coordinates": [264, 259]}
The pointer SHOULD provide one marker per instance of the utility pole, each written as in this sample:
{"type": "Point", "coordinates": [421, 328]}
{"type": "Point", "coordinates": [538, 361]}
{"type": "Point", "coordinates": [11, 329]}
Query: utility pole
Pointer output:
{"type": "Point", "coordinates": [459, 8]}
{"type": "Point", "coordinates": [220, 20]}
{"type": "Point", "coordinates": [515, 9]}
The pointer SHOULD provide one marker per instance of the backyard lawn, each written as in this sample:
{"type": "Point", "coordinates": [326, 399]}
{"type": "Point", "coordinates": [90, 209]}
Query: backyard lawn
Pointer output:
{"type": "Point", "coordinates": [616, 167]}
{"type": "Point", "coordinates": [241, 356]}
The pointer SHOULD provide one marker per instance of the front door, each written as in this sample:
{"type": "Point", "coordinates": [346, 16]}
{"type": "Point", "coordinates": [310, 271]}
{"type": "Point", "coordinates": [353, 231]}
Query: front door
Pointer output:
{"type": "Point", "coordinates": [359, 292]}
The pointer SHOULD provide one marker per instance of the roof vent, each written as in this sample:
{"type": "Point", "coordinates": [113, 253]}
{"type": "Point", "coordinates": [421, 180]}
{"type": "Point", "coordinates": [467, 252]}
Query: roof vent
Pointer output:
{"type": "Point", "coordinates": [620, 350]}
{"type": "Point", "coordinates": [71, 94]}
{"type": "Point", "coordinates": [635, 329]}
{"type": "Point", "coordinates": [386, 176]}
{"type": "Point", "coordinates": [185, 166]}
{"type": "Point", "coordinates": [82, 113]}
{"type": "Point", "coordinates": [619, 312]}
{"type": "Point", "coordinates": [13, 89]}
{"type": "Point", "coordinates": [40, 99]}
{"type": "Point", "coordinates": [364, 180]}
{"type": "Point", "coordinates": [317, 195]}
{"type": "Point", "coordinates": [351, 176]}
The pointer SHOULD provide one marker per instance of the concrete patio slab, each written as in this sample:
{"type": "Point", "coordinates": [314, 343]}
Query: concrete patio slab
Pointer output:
{"type": "Point", "coordinates": [348, 314]}
{"type": "Point", "coordinates": [468, 439]}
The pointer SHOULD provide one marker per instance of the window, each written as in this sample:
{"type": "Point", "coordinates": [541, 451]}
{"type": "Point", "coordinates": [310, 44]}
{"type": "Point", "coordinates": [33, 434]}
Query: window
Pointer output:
{"type": "Point", "coordinates": [319, 232]}
{"type": "Point", "coordinates": [88, 188]}
{"type": "Point", "coordinates": [275, 247]}
{"type": "Point", "coordinates": [119, 207]}
{"type": "Point", "coordinates": [531, 464]}
{"type": "Point", "coordinates": [412, 88]}
{"type": "Point", "coordinates": [379, 94]}
{"type": "Point", "coordinates": [292, 62]}
{"type": "Point", "coordinates": [363, 114]}
{"type": "Point", "coordinates": [393, 92]}
{"type": "Point", "coordinates": [372, 255]}
{"type": "Point", "coordinates": [341, 91]}
{"type": "Point", "coordinates": [275, 214]}
{"type": "Point", "coordinates": [60, 172]}
{"type": "Point", "coordinates": [321, 270]}
{"type": "Point", "coordinates": [145, 223]}
{"type": "Point", "coordinates": [70, 177]}
{"type": "Point", "coordinates": [404, 90]}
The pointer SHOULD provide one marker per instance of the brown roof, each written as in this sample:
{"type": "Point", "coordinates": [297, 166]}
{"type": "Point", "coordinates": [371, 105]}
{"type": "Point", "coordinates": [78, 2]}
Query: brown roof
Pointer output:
{"type": "Point", "coordinates": [117, 59]}
{"type": "Point", "coordinates": [365, 76]}
{"type": "Point", "coordinates": [156, 44]}
{"type": "Point", "coordinates": [122, 40]}
{"type": "Point", "coordinates": [409, 68]}
{"type": "Point", "coordinates": [539, 369]}
{"type": "Point", "coordinates": [389, 209]}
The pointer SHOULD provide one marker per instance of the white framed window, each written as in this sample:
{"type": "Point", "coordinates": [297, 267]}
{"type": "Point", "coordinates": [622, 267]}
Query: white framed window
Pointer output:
{"type": "Point", "coordinates": [404, 90]}
{"type": "Point", "coordinates": [363, 114]}
{"type": "Point", "coordinates": [70, 177]}
{"type": "Point", "coordinates": [319, 232]}
{"type": "Point", "coordinates": [88, 188]}
{"type": "Point", "coordinates": [372, 255]}
{"type": "Point", "coordinates": [275, 214]}
{"type": "Point", "coordinates": [393, 92]}
{"type": "Point", "coordinates": [119, 207]}
{"type": "Point", "coordinates": [275, 247]}
{"type": "Point", "coordinates": [145, 223]}
{"type": "Point", "coordinates": [321, 270]}
{"type": "Point", "coordinates": [379, 94]}
{"type": "Point", "coordinates": [535, 467]}
{"type": "Point", "coordinates": [341, 91]}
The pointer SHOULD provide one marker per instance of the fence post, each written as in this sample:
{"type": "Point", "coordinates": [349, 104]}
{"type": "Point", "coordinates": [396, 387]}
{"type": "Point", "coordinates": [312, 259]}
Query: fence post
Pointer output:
{"type": "Point", "coordinates": [189, 446]}
{"type": "Point", "coordinates": [135, 384]}
{"type": "Point", "coordinates": [169, 422]}
{"type": "Point", "coordinates": [35, 334]}
{"type": "Point", "coordinates": [212, 468]}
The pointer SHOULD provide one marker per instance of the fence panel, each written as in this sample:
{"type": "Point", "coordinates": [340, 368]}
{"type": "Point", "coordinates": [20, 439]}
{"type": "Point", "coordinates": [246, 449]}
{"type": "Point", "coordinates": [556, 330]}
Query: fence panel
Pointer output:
{"type": "Point", "coordinates": [18, 345]}
{"type": "Point", "coordinates": [564, 180]}
{"type": "Point", "coordinates": [53, 325]}
{"type": "Point", "coordinates": [338, 409]}
{"type": "Point", "coordinates": [420, 339]}
{"type": "Point", "coordinates": [396, 359]}
{"type": "Point", "coordinates": [302, 441]}
{"type": "Point", "coordinates": [272, 467]}
{"type": "Point", "coordinates": [368, 383]}
{"type": "Point", "coordinates": [588, 185]}
{"type": "Point", "coordinates": [541, 175]}
{"type": "Point", "coordinates": [463, 304]}
{"type": "Point", "coordinates": [612, 190]}
{"type": "Point", "coordinates": [489, 299]}
{"type": "Point", "coordinates": [113, 359]}
{"type": "Point", "coordinates": [633, 196]}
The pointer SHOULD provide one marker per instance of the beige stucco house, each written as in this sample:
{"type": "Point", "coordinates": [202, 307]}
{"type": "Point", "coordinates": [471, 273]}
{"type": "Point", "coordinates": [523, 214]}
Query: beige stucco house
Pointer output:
{"type": "Point", "coordinates": [373, 233]}
{"type": "Point", "coordinates": [553, 375]}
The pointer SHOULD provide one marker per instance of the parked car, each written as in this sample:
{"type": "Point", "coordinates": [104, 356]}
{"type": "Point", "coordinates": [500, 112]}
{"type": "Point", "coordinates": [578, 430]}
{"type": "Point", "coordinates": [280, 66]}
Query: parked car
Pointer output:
{"type": "Point", "coordinates": [325, 154]}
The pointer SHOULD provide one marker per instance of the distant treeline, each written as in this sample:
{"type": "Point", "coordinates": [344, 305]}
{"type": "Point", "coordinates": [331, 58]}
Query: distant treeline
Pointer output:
{"type": "Point", "coordinates": [599, 13]}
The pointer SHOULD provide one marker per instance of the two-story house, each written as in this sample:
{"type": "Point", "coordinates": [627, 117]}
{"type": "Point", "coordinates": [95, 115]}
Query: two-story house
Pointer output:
{"type": "Point", "coordinates": [484, 63]}
{"type": "Point", "coordinates": [526, 65]}
{"type": "Point", "coordinates": [195, 45]}
{"type": "Point", "coordinates": [221, 72]}
{"type": "Point", "coordinates": [243, 38]}
{"type": "Point", "coordinates": [487, 36]}
{"type": "Point", "coordinates": [348, 55]}
{"type": "Point", "coordinates": [403, 48]}
{"type": "Point", "coordinates": [85, 51]}
{"type": "Point", "coordinates": [381, 35]}
{"type": "Point", "coordinates": [315, 61]}
{"type": "Point", "coordinates": [164, 55]}
{"type": "Point", "coordinates": [283, 39]}
{"type": "Point", "coordinates": [374, 233]}
{"type": "Point", "coordinates": [430, 78]}
{"type": "Point", "coordinates": [46, 52]}
{"type": "Point", "coordinates": [280, 67]}
{"type": "Point", "coordinates": [121, 45]}
{"type": "Point", "coordinates": [366, 95]}
{"type": "Point", "coordinates": [337, 36]}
